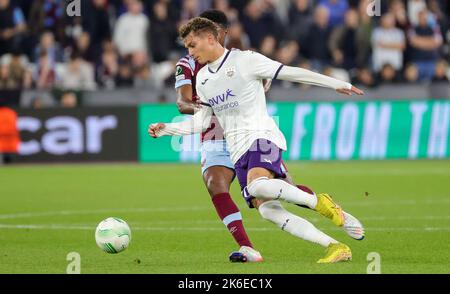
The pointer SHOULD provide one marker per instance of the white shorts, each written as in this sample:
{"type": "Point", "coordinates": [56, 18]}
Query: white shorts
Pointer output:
{"type": "Point", "coordinates": [215, 153]}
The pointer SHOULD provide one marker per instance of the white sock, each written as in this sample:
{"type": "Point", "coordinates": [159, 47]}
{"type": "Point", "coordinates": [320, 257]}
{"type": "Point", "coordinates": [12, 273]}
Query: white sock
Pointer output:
{"type": "Point", "coordinates": [278, 189]}
{"type": "Point", "coordinates": [297, 226]}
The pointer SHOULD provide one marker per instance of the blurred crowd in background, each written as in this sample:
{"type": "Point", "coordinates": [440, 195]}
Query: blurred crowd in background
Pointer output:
{"type": "Point", "coordinates": [133, 43]}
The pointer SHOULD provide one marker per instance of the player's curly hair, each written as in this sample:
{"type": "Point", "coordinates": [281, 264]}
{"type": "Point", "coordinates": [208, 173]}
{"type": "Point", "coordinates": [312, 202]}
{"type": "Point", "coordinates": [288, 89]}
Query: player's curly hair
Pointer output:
{"type": "Point", "coordinates": [198, 25]}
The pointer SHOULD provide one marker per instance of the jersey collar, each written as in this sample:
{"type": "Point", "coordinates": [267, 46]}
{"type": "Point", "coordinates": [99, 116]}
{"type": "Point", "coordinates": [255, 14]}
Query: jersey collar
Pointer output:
{"type": "Point", "coordinates": [221, 63]}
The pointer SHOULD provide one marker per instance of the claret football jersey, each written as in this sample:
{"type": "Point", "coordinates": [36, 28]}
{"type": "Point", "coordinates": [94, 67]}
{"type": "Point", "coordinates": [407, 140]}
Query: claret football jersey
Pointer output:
{"type": "Point", "coordinates": [186, 71]}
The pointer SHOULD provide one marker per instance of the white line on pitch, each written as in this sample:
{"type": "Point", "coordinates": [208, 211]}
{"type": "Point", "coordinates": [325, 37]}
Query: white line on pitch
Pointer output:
{"type": "Point", "coordinates": [169, 229]}
{"type": "Point", "coordinates": [111, 210]}
{"type": "Point", "coordinates": [363, 202]}
{"type": "Point", "coordinates": [312, 219]}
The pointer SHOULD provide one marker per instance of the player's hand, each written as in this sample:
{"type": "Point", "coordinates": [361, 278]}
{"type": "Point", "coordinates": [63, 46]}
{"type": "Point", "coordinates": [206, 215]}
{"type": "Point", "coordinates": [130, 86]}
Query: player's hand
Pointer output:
{"type": "Point", "coordinates": [197, 105]}
{"type": "Point", "coordinates": [189, 107]}
{"type": "Point", "coordinates": [351, 91]}
{"type": "Point", "coordinates": [153, 129]}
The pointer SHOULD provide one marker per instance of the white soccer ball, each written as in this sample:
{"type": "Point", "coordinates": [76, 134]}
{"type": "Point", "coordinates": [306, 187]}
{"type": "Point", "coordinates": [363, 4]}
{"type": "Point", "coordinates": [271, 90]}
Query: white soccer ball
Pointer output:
{"type": "Point", "coordinates": [113, 235]}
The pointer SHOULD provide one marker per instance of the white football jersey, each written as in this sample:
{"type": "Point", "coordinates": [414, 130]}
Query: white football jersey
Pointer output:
{"type": "Point", "coordinates": [232, 86]}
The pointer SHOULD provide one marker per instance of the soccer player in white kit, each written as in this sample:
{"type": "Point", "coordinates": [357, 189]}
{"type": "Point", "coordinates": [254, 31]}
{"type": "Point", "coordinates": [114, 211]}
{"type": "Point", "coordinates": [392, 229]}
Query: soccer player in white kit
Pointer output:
{"type": "Point", "coordinates": [230, 86]}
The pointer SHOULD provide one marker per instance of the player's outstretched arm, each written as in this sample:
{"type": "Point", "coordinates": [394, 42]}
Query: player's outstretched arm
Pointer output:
{"type": "Point", "coordinates": [199, 122]}
{"type": "Point", "coordinates": [185, 101]}
{"type": "Point", "coordinates": [301, 75]}
{"type": "Point", "coordinates": [351, 91]}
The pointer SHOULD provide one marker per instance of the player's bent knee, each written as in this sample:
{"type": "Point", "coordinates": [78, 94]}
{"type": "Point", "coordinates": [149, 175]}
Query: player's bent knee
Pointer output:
{"type": "Point", "coordinates": [216, 185]}
{"type": "Point", "coordinates": [272, 211]}
{"type": "Point", "coordinates": [255, 188]}
{"type": "Point", "coordinates": [265, 209]}
{"type": "Point", "coordinates": [257, 173]}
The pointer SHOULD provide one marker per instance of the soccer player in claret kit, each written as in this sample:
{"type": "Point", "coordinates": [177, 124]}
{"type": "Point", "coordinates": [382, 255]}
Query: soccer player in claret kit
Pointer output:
{"type": "Point", "coordinates": [231, 86]}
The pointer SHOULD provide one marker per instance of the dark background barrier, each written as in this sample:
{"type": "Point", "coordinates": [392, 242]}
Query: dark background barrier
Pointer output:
{"type": "Point", "coordinates": [80, 134]}
{"type": "Point", "coordinates": [10, 97]}
{"type": "Point", "coordinates": [137, 96]}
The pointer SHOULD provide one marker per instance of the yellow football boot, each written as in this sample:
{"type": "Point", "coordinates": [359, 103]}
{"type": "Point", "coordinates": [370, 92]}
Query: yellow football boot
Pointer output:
{"type": "Point", "coordinates": [336, 252]}
{"type": "Point", "coordinates": [329, 209]}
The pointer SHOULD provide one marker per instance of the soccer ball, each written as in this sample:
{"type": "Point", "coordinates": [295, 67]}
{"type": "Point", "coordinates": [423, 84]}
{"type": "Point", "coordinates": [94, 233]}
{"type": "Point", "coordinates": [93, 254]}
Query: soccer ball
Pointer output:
{"type": "Point", "coordinates": [113, 235]}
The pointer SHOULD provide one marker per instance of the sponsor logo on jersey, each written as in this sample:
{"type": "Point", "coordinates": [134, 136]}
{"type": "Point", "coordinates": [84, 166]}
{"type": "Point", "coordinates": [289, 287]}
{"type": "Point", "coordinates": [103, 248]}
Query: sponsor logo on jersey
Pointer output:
{"type": "Point", "coordinates": [230, 71]}
{"type": "Point", "coordinates": [219, 99]}
{"type": "Point", "coordinates": [220, 102]}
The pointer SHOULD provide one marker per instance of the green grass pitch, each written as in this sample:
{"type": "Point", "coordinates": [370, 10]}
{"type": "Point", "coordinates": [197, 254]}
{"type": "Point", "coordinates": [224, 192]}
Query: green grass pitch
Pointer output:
{"type": "Point", "coordinates": [47, 212]}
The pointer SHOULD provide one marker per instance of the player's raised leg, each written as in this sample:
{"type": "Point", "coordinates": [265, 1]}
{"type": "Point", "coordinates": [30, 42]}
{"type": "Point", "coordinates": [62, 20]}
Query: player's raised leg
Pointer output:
{"type": "Point", "coordinates": [256, 170]}
{"type": "Point", "coordinates": [262, 162]}
{"type": "Point", "coordinates": [285, 189]}
{"type": "Point", "coordinates": [351, 225]}
{"type": "Point", "coordinates": [274, 212]}
{"type": "Point", "coordinates": [277, 189]}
